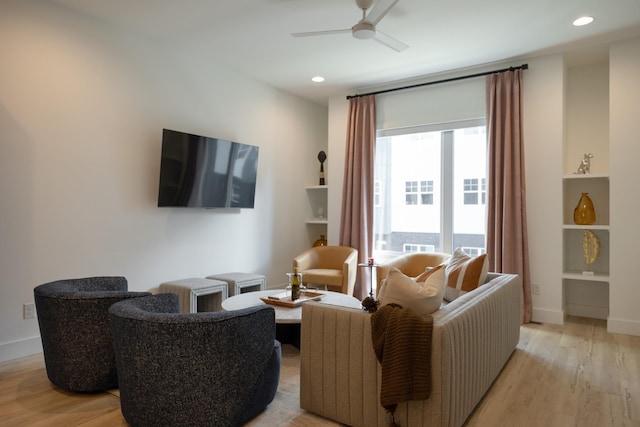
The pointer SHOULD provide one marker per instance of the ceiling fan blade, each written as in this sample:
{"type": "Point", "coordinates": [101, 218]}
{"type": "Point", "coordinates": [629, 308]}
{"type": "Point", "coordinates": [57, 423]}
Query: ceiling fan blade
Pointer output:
{"type": "Point", "coordinates": [389, 41]}
{"type": "Point", "coordinates": [321, 33]}
{"type": "Point", "coordinates": [380, 9]}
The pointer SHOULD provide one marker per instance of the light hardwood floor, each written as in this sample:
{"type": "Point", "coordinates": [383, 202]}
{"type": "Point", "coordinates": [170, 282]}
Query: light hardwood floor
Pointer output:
{"type": "Point", "coordinates": [571, 375]}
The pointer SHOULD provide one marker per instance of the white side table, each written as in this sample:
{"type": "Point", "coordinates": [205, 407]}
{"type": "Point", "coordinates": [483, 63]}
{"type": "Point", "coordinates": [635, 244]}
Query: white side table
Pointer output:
{"type": "Point", "coordinates": [238, 283]}
{"type": "Point", "coordinates": [211, 292]}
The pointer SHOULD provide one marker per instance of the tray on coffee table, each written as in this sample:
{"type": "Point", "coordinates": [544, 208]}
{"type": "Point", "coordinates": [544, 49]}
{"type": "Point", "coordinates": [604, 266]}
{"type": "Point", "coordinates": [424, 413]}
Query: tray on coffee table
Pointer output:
{"type": "Point", "coordinates": [283, 299]}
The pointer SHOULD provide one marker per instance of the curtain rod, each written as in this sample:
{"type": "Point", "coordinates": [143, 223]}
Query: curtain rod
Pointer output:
{"type": "Point", "coordinates": [453, 79]}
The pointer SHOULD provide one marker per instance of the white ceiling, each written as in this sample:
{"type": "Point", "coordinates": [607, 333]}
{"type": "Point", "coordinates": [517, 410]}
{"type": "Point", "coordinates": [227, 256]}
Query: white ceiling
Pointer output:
{"type": "Point", "coordinates": [253, 37]}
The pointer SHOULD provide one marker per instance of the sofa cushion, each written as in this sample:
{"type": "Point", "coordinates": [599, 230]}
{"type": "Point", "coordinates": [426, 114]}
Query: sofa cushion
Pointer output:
{"type": "Point", "coordinates": [422, 297]}
{"type": "Point", "coordinates": [428, 271]}
{"type": "Point", "coordinates": [464, 273]}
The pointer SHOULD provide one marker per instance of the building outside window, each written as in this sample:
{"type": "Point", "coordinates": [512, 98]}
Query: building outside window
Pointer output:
{"type": "Point", "coordinates": [475, 191]}
{"type": "Point", "coordinates": [426, 192]}
{"type": "Point", "coordinates": [411, 192]}
{"type": "Point", "coordinates": [418, 191]}
{"type": "Point", "coordinates": [473, 251]}
{"type": "Point", "coordinates": [432, 190]}
{"type": "Point", "coordinates": [409, 248]}
{"type": "Point", "coordinates": [470, 191]}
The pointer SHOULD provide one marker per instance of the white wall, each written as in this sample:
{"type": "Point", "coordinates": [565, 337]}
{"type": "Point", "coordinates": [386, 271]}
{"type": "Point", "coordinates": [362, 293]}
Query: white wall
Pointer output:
{"type": "Point", "coordinates": [624, 113]}
{"type": "Point", "coordinates": [82, 107]}
{"type": "Point", "coordinates": [338, 115]}
{"type": "Point", "coordinates": [588, 116]}
{"type": "Point", "coordinates": [544, 124]}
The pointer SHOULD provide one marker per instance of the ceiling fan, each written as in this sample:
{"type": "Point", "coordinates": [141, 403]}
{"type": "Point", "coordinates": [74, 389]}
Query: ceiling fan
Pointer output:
{"type": "Point", "coordinates": [366, 27]}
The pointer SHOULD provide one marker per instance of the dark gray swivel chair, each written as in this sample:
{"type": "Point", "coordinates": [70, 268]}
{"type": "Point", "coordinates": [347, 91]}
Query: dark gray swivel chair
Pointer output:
{"type": "Point", "coordinates": [74, 327]}
{"type": "Point", "coordinates": [193, 369]}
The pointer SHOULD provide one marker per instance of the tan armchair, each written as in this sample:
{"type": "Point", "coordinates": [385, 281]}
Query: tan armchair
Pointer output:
{"type": "Point", "coordinates": [412, 264]}
{"type": "Point", "coordinates": [332, 266]}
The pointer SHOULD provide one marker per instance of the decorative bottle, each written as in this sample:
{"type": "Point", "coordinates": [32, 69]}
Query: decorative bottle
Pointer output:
{"type": "Point", "coordinates": [584, 213]}
{"type": "Point", "coordinates": [295, 285]}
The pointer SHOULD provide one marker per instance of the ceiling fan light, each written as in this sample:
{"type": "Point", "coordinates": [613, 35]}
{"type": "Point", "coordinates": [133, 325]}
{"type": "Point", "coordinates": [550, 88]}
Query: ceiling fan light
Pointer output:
{"type": "Point", "coordinates": [364, 31]}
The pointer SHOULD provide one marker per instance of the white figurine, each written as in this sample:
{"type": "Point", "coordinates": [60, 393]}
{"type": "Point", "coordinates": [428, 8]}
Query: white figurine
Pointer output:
{"type": "Point", "coordinates": [585, 164]}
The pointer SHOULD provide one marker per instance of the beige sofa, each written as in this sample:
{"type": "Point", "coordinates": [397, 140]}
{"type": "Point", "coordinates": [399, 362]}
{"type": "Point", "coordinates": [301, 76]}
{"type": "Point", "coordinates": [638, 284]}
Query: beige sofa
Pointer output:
{"type": "Point", "coordinates": [473, 337]}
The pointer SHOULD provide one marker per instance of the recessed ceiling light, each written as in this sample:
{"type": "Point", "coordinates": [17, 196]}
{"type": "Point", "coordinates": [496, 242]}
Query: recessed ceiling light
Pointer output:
{"type": "Point", "coordinates": [583, 20]}
{"type": "Point", "coordinates": [317, 79]}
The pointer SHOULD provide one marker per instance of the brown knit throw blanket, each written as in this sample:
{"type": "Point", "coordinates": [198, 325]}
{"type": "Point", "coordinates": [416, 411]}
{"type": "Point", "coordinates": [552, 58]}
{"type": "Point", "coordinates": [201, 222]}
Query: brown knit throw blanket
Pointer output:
{"type": "Point", "coordinates": [402, 343]}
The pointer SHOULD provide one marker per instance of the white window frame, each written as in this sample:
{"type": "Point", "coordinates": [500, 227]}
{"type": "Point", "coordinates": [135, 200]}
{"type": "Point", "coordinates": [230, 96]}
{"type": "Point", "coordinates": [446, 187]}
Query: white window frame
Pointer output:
{"type": "Point", "coordinates": [446, 225]}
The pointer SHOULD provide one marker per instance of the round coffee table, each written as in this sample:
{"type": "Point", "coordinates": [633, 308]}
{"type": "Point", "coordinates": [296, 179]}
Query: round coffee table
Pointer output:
{"type": "Point", "coordinates": [288, 319]}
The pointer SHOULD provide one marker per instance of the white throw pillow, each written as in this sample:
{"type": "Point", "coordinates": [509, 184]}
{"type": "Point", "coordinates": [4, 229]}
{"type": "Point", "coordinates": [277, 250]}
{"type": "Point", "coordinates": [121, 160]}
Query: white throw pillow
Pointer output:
{"type": "Point", "coordinates": [422, 297]}
{"type": "Point", "coordinates": [464, 273]}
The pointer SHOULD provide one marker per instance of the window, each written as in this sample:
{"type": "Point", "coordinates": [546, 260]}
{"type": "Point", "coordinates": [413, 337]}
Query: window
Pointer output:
{"type": "Point", "coordinates": [483, 191]}
{"type": "Point", "coordinates": [473, 251]}
{"type": "Point", "coordinates": [411, 192]}
{"type": "Point", "coordinates": [470, 191]}
{"type": "Point", "coordinates": [434, 180]}
{"type": "Point", "coordinates": [475, 193]}
{"type": "Point", "coordinates": [377, 193]}
{"type": "Point", "coordinates": [410, 248]}
{"type": "Point", "coordinates": [426, 192]}
{"type": "Point", "coordinates": [423, 194]}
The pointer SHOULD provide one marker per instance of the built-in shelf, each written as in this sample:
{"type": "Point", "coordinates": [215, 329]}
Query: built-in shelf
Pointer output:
{"type": "Point", "coordinates": [317, 220]}
{"type": "Point", "coordinates": [597, 187]}
{"type": "Point", "coordinates": [585, 227]}
{"type": "Point", "coordinates": [586, 176]}
{"type": "Point", "coordinates": [597, 277]}
{"type": "Point", "coordinates": [584, 294]}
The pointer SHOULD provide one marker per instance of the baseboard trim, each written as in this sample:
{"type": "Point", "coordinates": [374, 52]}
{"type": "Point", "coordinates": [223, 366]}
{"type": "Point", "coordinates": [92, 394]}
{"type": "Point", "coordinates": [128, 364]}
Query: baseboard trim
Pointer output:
{"type": "Point", "coordinates": [621, 326]}
{"type": "Point", "coordinates": [541, 315]}
{"type": "Point", "coordinates": [16, 349]}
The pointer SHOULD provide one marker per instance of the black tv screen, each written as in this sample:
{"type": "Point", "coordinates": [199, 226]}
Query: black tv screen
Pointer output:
{"type": "Point", "coordinates": [199, 171]}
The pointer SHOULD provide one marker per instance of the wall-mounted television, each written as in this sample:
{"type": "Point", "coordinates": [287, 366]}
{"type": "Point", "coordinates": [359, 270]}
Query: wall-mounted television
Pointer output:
{"type": "Point", "coordinates": [204, 172]}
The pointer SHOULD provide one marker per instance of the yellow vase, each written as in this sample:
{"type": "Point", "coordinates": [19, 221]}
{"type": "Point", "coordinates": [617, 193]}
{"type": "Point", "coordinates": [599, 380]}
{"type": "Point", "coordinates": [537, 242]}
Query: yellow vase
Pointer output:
{"type": "Point", "coordinates": [584, 213]}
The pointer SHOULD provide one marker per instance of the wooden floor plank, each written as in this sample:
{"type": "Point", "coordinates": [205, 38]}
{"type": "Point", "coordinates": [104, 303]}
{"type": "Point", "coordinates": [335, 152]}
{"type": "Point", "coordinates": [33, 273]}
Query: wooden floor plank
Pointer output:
{"type": "Point", "coordinates": [576, 374]}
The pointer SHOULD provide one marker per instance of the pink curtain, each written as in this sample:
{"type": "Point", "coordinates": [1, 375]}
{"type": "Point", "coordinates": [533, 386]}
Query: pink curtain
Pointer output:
{"type": "Point", "coordinates": [507, 246]}
{"type": "Point", "coordinates": [356, 222]}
